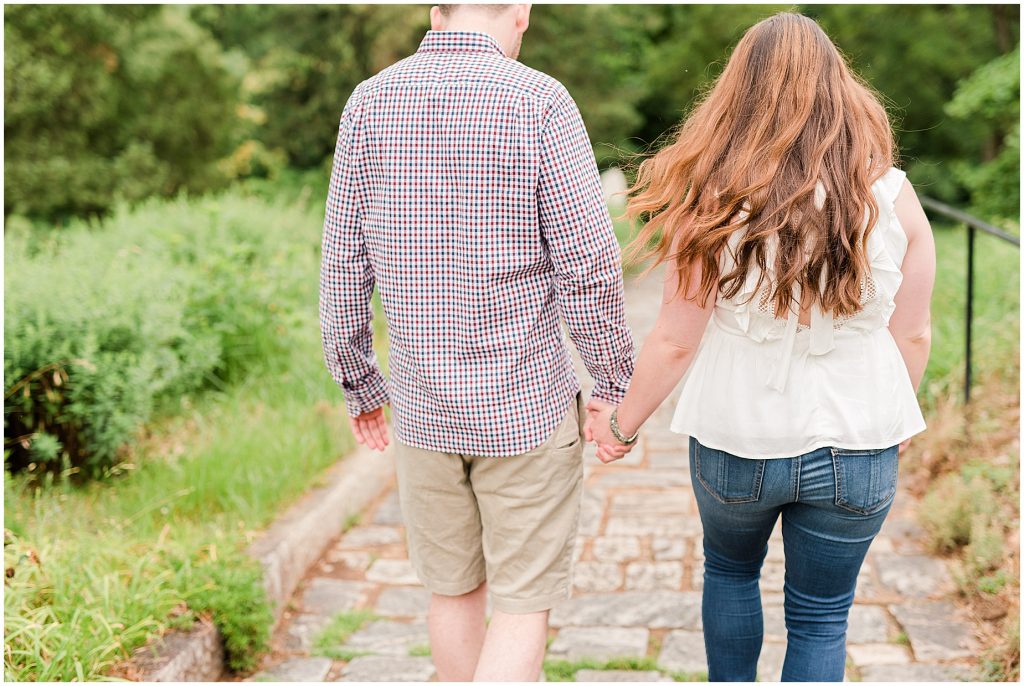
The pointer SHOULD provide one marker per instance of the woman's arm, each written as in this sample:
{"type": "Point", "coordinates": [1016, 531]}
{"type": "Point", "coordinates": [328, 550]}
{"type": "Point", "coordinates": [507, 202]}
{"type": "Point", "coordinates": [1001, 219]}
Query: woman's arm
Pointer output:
{"type": "Point", "coordinates": [663, 360]}
{"type": "Point", "coordinates": [910, 323]}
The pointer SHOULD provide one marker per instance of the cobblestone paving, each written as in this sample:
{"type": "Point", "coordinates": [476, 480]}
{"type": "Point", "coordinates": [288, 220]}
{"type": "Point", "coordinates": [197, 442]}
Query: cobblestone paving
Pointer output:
{"type": "Point", "coordinates": [638, 580]}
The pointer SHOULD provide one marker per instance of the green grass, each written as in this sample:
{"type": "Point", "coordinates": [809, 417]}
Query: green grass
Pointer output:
{"type": "Point", "coordinates": [328, 643]}
{"type": "Point", "coordinates": [996, 332]}
{"type": "Point", "coordinates": [102, 568]}
{"type": "Point", "coordinates": [420, 651]}
{"type": "Point", "coordinates": [565, 670]}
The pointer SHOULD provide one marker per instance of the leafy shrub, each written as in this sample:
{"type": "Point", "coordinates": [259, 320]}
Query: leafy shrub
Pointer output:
{"type": "Point", "coordinates": [107, 323]}
{"type": "Point", "coordinates": [232, 592]}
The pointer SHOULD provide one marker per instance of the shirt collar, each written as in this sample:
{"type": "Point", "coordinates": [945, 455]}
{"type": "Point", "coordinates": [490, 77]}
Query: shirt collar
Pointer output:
{"type": "Point", "coordinates": [459, 41]}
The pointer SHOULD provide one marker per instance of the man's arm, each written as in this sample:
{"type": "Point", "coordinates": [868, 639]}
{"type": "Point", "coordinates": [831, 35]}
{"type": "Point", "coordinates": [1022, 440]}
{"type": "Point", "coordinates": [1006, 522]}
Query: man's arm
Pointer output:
{"type": "Point", "coordinates": [346, 285]}
{"type": "Point", "coordinates": [575, 224]}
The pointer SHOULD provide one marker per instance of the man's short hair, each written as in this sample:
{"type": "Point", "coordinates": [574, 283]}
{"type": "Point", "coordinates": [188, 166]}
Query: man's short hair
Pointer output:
{"type": "Point", "coordinates": [492, 9]}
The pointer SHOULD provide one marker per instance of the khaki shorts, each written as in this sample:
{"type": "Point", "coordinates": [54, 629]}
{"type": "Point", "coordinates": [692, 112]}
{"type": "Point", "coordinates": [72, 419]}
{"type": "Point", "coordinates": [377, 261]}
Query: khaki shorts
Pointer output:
{"type": "Point", "coordinates": [508, 520]}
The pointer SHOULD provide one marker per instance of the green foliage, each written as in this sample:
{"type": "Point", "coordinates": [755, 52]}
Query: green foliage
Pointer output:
{"type": "Point", "coordinates": [964, 511]}
{"type": "Point", "coordinates": [157, 303]}
{"type": "Point", "coordinates": [59, 626]}
{"type": "Point", "coordinates": [565, 670]}
{"type": "Point", "coordinates": [917, 76]}
{"type": "Point", "coordinates": [686, 47]}
{"type": "Point", "coordinates": [420, 651]}
{"type": "Point", "coordinates": [991, 97]}
{"type": "Point", "coordinates": [110, 102]}
{"type": "Point", "coordinates": [949, 510]}
{"type": "Point", "coordinates": [996, 311]}
{"type": "Point", "coordinates": [203, 484]}
{"type": "Point", "coordinates": [328, 642]}
{"type": "Point", "coordinates": [63, 624]}
{"type": "Point", "coordinates": [303, 61]}
{"type": "Point", "coordinates": [606, 83]}
{"type": "Point", "coordinates": [232, 592]}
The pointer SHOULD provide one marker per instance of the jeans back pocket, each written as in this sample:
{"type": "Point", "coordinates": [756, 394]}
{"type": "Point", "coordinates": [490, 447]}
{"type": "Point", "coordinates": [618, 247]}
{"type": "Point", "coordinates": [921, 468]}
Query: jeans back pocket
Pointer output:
{"type": "Point", "coordinates": [865, 479]}
{"type": "Point", "coordinates": [730, 479]}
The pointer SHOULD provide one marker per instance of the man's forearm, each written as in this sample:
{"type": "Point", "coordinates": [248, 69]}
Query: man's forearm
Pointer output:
{"type": "Point", "coordinates": [346, 320]}
{"type": "Point", "coordinates": [595, 315]}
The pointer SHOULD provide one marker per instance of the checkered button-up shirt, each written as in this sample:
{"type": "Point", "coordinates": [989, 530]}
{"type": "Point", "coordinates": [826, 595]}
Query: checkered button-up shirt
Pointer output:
{"type": "Point", "coordinates": [464, 187]}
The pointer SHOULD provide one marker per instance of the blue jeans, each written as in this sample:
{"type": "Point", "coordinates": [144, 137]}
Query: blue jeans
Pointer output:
{"type": "Point", "coordinates": [832, 503]}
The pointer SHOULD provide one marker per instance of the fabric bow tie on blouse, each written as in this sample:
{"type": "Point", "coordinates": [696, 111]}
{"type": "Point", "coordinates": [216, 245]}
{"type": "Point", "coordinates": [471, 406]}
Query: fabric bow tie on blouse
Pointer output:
{"type": "Point", "coordinates": [822, 341]}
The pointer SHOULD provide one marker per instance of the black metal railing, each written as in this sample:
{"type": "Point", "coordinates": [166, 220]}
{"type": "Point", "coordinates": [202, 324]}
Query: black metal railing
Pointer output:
{"type": "Point", "coordinates": [973, 225]}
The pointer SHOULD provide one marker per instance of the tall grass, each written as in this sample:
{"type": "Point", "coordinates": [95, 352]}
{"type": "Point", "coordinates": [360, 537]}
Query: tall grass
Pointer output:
{"type": "Point", "coordinates": [996, 332]}
{"type": "Point", "coordinates": [99, 569]}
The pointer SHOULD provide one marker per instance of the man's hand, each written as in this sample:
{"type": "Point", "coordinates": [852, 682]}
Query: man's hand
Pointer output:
{"type": "Point", "coordinates": [598, 429]}
{"type": "Point", "coordinates": [371, 429]}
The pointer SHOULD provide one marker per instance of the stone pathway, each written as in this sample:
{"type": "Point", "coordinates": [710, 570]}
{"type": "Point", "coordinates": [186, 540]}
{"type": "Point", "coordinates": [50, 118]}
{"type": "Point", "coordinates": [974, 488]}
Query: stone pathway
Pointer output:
{"type": "Point", "coordinates": [360, 613]}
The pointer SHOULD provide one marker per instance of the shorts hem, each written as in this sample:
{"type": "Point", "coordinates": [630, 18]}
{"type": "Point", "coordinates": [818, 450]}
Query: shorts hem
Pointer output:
{"type": "Point", "coordinates": [452, 588]}
{"type": "Point", "coordinates": [522, 606]}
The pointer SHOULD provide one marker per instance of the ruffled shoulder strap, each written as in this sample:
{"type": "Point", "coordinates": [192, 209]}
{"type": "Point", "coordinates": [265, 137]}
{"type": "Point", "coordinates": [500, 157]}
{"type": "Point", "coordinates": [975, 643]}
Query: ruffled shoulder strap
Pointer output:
{"type": "Point", "coordinates": [887, 243]}
{"type": "Point", "coordinates": [889, 185]}
{"type": "Point", "coordinates": [889, 228]}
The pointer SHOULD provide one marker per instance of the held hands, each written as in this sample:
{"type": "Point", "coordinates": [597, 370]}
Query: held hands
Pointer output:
{"type": "Point", "coordinates": [370, 429]}
{"type": "Point", "coordinates": [598, 429]}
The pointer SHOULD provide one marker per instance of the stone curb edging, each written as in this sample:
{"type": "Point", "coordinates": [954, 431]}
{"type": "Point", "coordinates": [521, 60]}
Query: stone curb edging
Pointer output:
{"type": "Point", "coordinates": [286, 550]}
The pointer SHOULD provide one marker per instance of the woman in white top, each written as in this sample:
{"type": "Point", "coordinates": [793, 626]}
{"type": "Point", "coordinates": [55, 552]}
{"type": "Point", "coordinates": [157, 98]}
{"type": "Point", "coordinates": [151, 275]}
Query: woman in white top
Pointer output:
{"type": "Point", "coordinates": [796, 304]}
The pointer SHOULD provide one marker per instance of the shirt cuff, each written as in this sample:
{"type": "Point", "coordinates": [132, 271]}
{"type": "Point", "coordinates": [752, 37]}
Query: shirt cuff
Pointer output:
{"type": "Point", "coordinates": [612, 395]}
{"type": "Point", "coordinates": [370, 394]}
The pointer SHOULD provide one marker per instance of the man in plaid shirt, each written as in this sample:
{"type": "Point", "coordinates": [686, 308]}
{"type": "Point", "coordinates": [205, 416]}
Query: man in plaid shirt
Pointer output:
{"type": "Point", "coordinates": [464, 188]}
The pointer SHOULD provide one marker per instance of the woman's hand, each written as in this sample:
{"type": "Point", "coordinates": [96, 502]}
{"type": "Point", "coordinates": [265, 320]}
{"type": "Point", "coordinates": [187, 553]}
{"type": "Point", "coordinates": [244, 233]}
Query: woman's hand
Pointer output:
{"type": "Point", "coordinates": [599, 430]}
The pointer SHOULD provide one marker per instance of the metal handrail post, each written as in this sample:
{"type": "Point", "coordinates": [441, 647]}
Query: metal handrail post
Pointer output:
{"type": "Point", "coordinates": [969, 312]}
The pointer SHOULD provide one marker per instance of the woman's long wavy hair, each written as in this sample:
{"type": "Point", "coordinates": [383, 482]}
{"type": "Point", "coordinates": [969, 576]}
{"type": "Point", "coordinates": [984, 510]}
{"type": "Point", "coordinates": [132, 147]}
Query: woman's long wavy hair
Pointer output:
{"type": "Point", "coordinates": [785, 115]}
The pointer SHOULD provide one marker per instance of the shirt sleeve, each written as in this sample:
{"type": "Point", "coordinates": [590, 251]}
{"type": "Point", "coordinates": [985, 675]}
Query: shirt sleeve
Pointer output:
{"type": "Point", "coordinates": [346, 277]}
{"type": "Point", "coordinates": [575, 224]}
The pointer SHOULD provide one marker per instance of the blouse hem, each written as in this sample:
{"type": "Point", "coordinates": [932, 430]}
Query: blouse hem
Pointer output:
{"type": "Point", "coordinates": [817, 445]}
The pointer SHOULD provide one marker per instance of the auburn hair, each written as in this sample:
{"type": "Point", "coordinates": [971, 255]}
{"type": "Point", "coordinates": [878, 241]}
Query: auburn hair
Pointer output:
{"type": "Point", "coordinates": [786, 119]}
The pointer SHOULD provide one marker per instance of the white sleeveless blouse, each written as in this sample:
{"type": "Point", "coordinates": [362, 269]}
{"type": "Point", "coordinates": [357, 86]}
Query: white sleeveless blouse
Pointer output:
{"type": "Point", "coordinates": [765, 387]}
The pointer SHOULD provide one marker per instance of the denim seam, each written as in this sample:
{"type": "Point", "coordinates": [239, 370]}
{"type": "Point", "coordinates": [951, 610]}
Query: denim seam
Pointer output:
{"type": "Point", "coordinates": [796, 479]}
{"type": "Point", "coordinates": [758, 481]}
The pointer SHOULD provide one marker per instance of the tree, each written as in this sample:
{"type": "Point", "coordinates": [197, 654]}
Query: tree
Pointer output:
{"type": "Point", "coordinates": [103, 102]}
{"type": "Point", "coordinates": [596, 51]}
{"type": "Point", "coordinates": [915, 55]}
{"type": "Point", "coordinates": [688, 46]}
{"type": "Point", "coordinates": [990, 97]}
{"type": "Point", "coordinates": [303, 62]}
